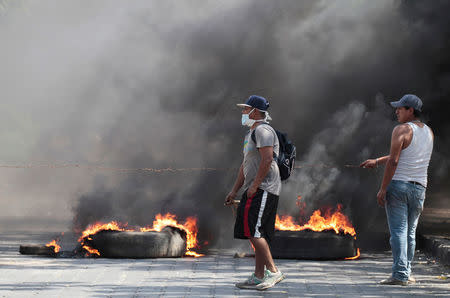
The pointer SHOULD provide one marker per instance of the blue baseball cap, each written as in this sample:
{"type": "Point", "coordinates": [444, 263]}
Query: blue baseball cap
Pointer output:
{"type": "Point", "coordinates": [408, 100]}
{"type": "Point", "coordinates": [255, 101]}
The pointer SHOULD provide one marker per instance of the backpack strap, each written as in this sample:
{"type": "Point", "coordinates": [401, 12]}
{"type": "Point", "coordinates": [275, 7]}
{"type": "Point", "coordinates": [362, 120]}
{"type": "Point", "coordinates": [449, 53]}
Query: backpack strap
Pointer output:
{"type": "Point", "coordinates": [253, 136]}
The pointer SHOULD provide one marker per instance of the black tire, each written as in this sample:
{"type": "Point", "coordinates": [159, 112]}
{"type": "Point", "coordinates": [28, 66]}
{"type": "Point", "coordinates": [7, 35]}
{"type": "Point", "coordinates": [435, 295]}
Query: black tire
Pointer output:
{"type": "Point", "coordinates": [169, 243]}
{"type": "Point", "coordinates": [37, 249]}
{"type": "Point", "coordinates": [312, 245]}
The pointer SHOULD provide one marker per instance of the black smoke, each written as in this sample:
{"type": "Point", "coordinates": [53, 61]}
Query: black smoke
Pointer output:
{"type": "Point", "coordinates": [161, 92]}
{"type": "Point", "coordinates": [329, 73]}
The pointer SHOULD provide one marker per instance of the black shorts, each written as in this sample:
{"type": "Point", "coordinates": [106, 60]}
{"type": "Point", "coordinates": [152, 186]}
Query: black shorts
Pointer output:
{"type": "Point", "coordinates": [256, 216]}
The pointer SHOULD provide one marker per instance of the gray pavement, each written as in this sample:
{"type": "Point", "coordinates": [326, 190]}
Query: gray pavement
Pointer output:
{"type": "Point", "coordinates": [210, 276]}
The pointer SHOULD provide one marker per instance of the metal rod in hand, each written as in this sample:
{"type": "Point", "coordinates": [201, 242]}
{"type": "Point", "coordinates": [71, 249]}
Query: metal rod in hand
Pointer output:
{"type": "Point", "coordinates": [234, 207]}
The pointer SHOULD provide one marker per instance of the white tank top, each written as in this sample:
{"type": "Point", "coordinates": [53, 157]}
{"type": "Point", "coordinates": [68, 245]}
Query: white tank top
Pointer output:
{"type": "Point", "coordinates": [414, 159]}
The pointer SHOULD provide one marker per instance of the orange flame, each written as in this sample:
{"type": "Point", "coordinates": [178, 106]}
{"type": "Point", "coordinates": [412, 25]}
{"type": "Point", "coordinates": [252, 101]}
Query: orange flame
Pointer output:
{"type": "Point", "coordinates": [91, 251]}
{"type": "Point", "coordinates": [336, 221]}
{"type": "Point", "coordinates": [56, 246]}
{"type": "Point", "coordinates": [358, 254]}
{"type": "Point", "coordinates": [286, 223]}
{"type": "Point", "coordinates": [97, 227]}
{"type": "Point", "coordinates": [190, 227]}
{"type": "Point", "coordinates": [191, 253]}
{"type": "Point", "coordinates": [161, 221]}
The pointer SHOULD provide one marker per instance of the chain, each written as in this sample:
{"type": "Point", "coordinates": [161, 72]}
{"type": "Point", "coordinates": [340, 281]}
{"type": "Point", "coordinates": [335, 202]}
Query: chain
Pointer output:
{"type": "Point", "coordinates": [152, 170]}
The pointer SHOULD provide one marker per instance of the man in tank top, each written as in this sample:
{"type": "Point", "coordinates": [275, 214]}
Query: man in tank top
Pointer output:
{"type": "Point", "coordinates": [402, 190]}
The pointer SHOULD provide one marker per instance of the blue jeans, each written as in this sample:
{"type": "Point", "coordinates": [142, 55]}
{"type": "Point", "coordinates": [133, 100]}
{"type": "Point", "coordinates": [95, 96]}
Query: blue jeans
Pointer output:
{"type": "Point", "coordinates": [404, 203]}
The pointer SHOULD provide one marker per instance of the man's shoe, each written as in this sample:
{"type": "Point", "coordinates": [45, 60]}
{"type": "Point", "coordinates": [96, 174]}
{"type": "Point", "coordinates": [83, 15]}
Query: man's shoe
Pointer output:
{"type": "Point", "coordinates": [393, 281]}
{"type": "Point", "coordinates": [411, 280]}
{"type": "Point", "coordinates": [250, 283]}
{"type": "Point", "coordinates": [270, 279]}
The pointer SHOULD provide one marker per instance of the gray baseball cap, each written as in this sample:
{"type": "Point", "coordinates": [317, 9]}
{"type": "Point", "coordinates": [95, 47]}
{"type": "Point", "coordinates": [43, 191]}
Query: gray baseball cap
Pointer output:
{"type": "Point", "coordinates": [408, 100]}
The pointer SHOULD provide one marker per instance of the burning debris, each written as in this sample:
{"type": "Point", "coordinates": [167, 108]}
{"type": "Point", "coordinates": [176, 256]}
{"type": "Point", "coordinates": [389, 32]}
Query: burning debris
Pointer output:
{"type": "Point", "coordinates": [165, 238]}
{"type": "Point", "coordinates": [308, 244]}
{"type": "Point", "coordinates": [330, 236]}
{"type": "Point", "coordinates": [39, 250]}
{"type": "Point", "coordinates": [170, 242]}
{"type": "Point", "coordinates": [92, 243]}
{"type": "Point", "coordinates": [336, 221]}
{"type": "Point", "coordinates": [50, 249]}
{"type": "Point", "coordinates": [190, 227]}
{"type": "Point", "coordinates": [55, 245]}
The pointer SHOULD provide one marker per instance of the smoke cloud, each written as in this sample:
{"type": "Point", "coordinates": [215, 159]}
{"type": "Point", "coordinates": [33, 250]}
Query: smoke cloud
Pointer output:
{"type": "Point", "coordinates": [153, 84]}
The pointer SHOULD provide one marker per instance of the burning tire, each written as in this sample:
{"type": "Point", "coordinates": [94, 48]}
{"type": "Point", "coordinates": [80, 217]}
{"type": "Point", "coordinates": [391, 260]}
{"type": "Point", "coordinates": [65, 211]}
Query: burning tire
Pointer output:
{"type": "Point", "coordinates": [36, 249]}
{"type": "Point", "coordinates": [307, 244]}
{"type": "Point", "coordinates": [170, 242]}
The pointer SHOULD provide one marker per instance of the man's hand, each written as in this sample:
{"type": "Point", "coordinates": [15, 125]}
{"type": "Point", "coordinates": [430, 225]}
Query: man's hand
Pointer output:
{"type": "Point", "coordinates": [251, 191]}
{"type": "Point", "coordinates": [381, 197]}
{"type": "Point", "coordinates": [229, 199]}
{"type": "Point", "coordinates": [370, 163]}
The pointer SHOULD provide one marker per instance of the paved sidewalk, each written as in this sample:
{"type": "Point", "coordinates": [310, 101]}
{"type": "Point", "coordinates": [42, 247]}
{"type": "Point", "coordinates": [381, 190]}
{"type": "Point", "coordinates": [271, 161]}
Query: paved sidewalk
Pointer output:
{"type": "Point", "coordinates": [210, 276]}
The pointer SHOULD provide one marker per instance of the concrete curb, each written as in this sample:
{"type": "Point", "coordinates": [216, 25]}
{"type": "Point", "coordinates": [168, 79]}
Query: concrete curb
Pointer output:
{"type": "Point", "coordinates": [438, 247]}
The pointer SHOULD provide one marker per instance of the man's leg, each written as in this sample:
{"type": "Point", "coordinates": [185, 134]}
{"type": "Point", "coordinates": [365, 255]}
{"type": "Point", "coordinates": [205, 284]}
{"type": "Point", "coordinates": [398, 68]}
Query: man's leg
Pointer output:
{"type": "Point", "coordinates": [415, 207]}
{"type": "Point", "coordinates": [263, 257]}
{"type": "Point", "coordinates": [396, 211]}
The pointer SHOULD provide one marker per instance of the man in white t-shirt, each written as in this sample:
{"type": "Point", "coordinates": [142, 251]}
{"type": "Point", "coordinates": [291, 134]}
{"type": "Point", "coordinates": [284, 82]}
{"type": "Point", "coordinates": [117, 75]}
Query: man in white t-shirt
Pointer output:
{"type": "Point", "coordinates": [402, 191]}
{"type": "Point", "coordinates": [260, 176]}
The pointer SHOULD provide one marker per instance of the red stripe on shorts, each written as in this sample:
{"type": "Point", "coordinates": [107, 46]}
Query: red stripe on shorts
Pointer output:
{"type": "Point", "coordinates": [247, 208]}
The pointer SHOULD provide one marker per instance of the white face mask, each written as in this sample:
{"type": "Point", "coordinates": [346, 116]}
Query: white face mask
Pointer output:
{"type": "Point", "coordinates": [246, 121]}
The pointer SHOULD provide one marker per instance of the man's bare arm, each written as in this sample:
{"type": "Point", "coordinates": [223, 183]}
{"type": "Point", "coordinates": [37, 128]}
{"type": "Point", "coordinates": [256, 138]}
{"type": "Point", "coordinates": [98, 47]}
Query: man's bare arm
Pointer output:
{"type": "Point", "coordinates": [398, 138]}
{"type": "Point", "coordinates": [374, 163]}
{"type": "Point", "coordinates": [382, 160]}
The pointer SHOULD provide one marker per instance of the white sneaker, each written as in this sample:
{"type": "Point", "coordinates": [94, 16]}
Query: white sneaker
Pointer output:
{"type": "Point", "coordinates": [393, 281]}
{"type": "Point", "coordinates": [250, 283]}
{"type": "Point", "coordinates": [270, 279]}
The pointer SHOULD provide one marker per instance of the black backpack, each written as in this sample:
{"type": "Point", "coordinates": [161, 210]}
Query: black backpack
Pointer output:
{"type": "Point", "coordinates": [286, 158]}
